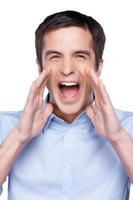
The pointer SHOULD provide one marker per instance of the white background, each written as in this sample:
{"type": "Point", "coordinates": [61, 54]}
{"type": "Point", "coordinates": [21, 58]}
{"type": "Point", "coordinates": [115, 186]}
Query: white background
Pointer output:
{"type": "Point", "coordinates": [18, 21]}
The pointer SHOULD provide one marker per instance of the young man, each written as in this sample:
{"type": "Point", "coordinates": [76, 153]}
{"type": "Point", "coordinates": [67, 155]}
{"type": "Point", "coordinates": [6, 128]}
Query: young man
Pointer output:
{"type": "Point", "coordinates": [74, 145]}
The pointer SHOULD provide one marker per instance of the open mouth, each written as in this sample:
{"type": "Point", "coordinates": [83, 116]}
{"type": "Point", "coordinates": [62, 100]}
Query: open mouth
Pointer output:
{"type": "Point", "coordinates": [69, 90]}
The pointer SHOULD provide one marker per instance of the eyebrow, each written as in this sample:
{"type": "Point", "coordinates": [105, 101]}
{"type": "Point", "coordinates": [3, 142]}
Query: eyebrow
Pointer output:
{"type": "Point", "coordinates": [86, 52]}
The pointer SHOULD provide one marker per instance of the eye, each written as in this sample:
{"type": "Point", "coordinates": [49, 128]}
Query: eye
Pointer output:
{"type": "Point", "coordinates": [80, 56]}
{"type": "Point", "coordinates": [54, 57]}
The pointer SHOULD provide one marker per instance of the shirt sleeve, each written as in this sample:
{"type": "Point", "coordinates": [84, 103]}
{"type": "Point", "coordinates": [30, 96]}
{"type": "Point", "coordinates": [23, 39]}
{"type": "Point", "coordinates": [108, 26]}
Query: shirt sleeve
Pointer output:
{"type": "Point", "coordinates": [130, 127]}
{"type": "Point", "coordinates": [8, 121]}
{"type": "Point", "coordinates": [0, 131]}
{"type": "Point", "coordinates": [0, 143]}
{"type": "Point", "coordinates": [3, 127]}
{"type": "Point", "coordinates": [127, 124]}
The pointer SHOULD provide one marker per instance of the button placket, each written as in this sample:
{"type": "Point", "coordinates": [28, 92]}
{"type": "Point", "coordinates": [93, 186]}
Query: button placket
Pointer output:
{"type": "Point", "coordinates": [67, 165]}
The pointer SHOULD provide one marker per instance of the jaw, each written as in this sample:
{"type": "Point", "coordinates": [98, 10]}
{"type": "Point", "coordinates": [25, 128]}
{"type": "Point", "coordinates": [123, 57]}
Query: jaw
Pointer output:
{"type": "Point", "coordinates": [69, 111]}
{"type": "Point", "coordinates": [69, 103]}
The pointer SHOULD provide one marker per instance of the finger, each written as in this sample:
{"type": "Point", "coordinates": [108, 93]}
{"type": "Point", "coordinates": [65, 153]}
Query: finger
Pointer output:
{"type": "Point", "coordinates": [94, 80]}
{"type": "Point", "coordinates": [37, 96]}
{"type": "Point", "coordinates": [102, 87]}
{"type": "Point", "coordinates": [47, 112]}
{"type": "Point", "coordinates": [94, 77]}
{"type": "Point", "coordinates": [90, 112]}
{"type": "Point", "coordinates": [104, 92]}
{"type": "Point", "coordinates": [31, 94]}
{"type": "Point", "coordinates": [42, 88]}
{"type": "Point", "coordinates": [37, 86]}
{"type": "Point", "coordinates": [42, 78]}
{"type": "Point", "coordinates": [98, 87]}
{"type": "Point", "coordinates": [41, 93]}
{"type": "Point", "coordinates": [94, 85]}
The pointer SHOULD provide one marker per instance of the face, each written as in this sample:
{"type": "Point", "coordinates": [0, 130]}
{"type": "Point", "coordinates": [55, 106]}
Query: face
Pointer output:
{"type": "Point", "coordinates": [68, 52]}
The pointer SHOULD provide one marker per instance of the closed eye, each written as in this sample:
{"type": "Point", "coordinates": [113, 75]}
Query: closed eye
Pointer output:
{"type": "Point", "coordinates": [82, 56]}
{"type": "Point", "coordinates": [54, 57]}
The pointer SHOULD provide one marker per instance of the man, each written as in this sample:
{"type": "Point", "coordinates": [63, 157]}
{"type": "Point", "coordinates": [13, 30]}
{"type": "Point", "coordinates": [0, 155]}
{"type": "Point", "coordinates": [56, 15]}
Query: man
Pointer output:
{"type": "Point", "coordinates": [74, 145]}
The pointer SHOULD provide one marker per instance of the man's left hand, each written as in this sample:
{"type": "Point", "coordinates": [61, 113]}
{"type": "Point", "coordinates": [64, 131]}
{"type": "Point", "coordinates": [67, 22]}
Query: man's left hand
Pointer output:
{"type": "Point", "coordinates": [102, 115]}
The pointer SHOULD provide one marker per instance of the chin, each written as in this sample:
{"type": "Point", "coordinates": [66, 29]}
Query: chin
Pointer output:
{"type": "Point", "coordinates": [70, 109]}
{"type": "Point", "coordinates": [62, 107]}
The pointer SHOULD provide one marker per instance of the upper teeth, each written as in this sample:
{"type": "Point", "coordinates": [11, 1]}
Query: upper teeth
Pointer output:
{"type": "Point", "coordinates": [68, 83]}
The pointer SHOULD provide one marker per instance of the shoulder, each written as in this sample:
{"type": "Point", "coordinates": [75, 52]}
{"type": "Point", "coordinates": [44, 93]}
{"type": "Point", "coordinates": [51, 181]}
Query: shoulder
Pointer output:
{"type": "Point", "coordinates": [8, 121]}
{"type": "Point", "coordinates": [126, 119]}
{"type": "Point", "coordinates": [124, 115]}
{"type": "Point", "coordinates": [13, 114]}
{"type": "Point", "coordinates": [9, 116]}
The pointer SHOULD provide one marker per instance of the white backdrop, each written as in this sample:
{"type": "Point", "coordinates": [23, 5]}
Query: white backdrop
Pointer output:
{"type": "Point", "coordinates": [18, 21]}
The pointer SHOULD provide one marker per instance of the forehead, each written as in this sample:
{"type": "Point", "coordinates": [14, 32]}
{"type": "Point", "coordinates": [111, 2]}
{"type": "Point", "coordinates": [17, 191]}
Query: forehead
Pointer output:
{"type": "Point", "coordinates": [68, 38]}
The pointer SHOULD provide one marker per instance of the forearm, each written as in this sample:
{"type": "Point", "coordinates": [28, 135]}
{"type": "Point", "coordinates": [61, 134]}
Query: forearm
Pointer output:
{"type": "Point", "coordinates": [9, 151]}
{"type": "Point", "coordinates": [123, 145]}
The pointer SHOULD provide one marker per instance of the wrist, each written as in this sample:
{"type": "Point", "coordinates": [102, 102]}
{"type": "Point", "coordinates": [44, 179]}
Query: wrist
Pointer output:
{"type": "Point", "coordinates": [21, 138]}
{"type": "Point", "coordinates": [118, 137]}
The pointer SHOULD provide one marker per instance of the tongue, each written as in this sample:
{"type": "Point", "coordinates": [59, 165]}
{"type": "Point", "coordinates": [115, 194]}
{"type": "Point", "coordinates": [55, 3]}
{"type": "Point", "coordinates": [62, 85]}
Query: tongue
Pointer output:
{"type": "Point", "coordinates": [69, 92]}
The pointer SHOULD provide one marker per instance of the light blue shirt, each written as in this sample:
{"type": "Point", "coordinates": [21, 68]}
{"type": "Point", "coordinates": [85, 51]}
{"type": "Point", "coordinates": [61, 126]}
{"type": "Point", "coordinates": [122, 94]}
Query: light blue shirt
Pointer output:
{"type": "Point", "coordinates": [67, 162]}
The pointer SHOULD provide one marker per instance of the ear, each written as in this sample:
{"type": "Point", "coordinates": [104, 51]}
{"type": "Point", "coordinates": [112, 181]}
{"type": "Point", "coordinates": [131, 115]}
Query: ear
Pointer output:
{"type": "Point", "coordinates": [100, 66]}
{"type": "Point", "coordinates": [39, 67]}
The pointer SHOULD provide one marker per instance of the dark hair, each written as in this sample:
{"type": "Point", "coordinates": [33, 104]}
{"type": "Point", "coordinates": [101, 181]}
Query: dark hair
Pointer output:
{"type": "Point", "coordinates": [67, 19]}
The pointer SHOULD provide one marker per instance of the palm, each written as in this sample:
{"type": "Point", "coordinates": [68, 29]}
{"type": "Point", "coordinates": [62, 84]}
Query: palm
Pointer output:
{"type": "Point", "coordinates": [33, 117]}
{"type": "Point", "coordinates": [103, 116]}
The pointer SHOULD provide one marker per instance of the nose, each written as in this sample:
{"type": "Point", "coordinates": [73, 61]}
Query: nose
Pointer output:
{"type": "Point", "coordinates": [67, 67]}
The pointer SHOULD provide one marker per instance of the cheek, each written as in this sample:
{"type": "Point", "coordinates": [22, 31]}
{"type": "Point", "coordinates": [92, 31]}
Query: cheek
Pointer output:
{"type": "Point", "coordinates": [52, 63]}
{"type": "Point", "coordinates": [82, 71]}
{"type": "Point", "coordinates": [48, 63]}
{"type": "Point", "coordinates": [81, 68]}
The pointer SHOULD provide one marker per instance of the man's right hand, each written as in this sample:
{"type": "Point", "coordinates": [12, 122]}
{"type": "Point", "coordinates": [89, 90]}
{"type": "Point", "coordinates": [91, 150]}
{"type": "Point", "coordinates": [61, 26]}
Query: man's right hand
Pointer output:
{"type": "Point", "coordinates": [33, 118]}
{"type": "Point", "coordinates": [31, 122]}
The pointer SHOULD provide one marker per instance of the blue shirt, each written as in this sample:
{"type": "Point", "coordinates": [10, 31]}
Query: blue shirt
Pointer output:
{"type": "Point", "coordinates": [67, 162]}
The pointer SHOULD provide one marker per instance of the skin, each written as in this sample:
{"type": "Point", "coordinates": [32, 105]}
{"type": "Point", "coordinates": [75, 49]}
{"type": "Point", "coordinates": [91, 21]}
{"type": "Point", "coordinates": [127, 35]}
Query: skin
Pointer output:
{"type": "Point", "coordinates": [68, 52]}
{"type": "Point", "coordinates": [68, 64]}
{"type": "Point", "coordinates": [64, 64]}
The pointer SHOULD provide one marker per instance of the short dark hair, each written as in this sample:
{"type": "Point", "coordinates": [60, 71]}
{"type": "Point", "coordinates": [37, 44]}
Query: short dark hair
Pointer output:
{"type": "Point", "coordinates": [67, 19]}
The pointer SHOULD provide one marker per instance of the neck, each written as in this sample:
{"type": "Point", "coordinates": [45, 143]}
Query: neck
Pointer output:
{"type": "Point", "coordinates": [69, 118]}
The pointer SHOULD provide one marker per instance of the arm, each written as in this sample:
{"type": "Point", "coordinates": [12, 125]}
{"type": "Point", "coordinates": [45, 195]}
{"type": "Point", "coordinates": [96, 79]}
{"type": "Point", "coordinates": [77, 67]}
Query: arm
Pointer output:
{"type": "Point", "coordinates": [9, 151]}
{"type": "Point", "coordinates": [107, 124]}
{"type": "Point", "coordinates": [32, 121]}
{"type": "Point", "coordinates": [124, 148]}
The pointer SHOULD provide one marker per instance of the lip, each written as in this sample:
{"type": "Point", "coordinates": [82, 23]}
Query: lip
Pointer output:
{"type": "Point", "coordinates": [70, 81]}
{"type": "Point", "coordinates": [74, 99]}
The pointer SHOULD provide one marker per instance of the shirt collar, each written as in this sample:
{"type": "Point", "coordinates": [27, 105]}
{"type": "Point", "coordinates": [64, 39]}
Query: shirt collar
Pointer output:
{"type": "Point", "coordinates": [81, 118]}
{"type": "Point", "coordinates": [46, 100]}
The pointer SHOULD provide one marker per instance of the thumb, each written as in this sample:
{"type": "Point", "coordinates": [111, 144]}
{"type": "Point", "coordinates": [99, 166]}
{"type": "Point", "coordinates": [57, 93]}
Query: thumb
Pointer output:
{"type": "Point", "coordinates": [90, 112]}
{"type": "Point", "coordinates": [47, 111]}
